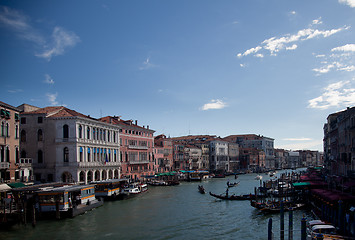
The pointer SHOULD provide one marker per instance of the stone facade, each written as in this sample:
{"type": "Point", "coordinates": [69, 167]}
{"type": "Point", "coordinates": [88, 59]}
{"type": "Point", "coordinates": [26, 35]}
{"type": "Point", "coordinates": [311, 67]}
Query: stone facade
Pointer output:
{"type": "Point", "coordinates": [136, 148]}
{"type": "Point", "coordinates": [67, 146]}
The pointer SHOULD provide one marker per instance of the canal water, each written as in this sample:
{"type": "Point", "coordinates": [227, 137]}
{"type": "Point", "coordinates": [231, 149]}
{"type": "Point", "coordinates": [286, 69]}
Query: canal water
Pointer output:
{"type": "Point", "coordinates": [174, 212]}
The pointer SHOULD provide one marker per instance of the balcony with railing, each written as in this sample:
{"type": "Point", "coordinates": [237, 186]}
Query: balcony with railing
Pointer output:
{"type": "Point", "coordinates": [4, 165]}
{"type": "Point", "coordinates": [137, 161]}
{"type": "Point", "coordinates": [97, 164]}
{"type": "Point", "coordinates": [24, 162]}
{"type": "Point", "coordinates": [138, 147]}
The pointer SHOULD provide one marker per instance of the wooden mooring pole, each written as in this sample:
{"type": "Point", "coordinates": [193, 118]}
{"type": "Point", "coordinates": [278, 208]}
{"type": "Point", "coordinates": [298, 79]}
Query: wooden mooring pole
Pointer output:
{"type": "Point", "coordinates": [282, 221]}
{"type": "Point", "coordinates": [303, 229]}
{"type": "Point", "coordinates": [290, 224]}
{"type": "Point", "coordinates": [269, 230]}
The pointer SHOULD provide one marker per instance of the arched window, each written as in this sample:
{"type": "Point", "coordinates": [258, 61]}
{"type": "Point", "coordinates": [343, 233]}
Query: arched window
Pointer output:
{"type": "Point", "coordinates": [80, 131]}
{"type": "Point", "coordinates": [7, 154]}
{"type": "Point", "coordinates": [40, 156]}
{"type": "Point", "coordinates": [3, 129]}
{"type": "Point", "coordinates": [7, 130]}
{"type": "Point", "coordinates": [88, 133]}
{"type": "Point", "coordinates": [16, 132]}
{"type": "Point", "coordinates": [66, 154]}
{"type": "Point", "coordinates": [89, 155]}
{"type": "Point", "coordinates": [39, 135]}
{"type": "Point", "coordinates": [17, 155]}
{"type": "Point", "coordinates": [93, 134]}
{"type": "Point", "coordinates": [65, 131]}
{"type": "Point", "coordinates": [23, 136]}
{"type": "Point", "coordinates": [108, 136]}
{"type": "Point", "coordinates": [81, 154]}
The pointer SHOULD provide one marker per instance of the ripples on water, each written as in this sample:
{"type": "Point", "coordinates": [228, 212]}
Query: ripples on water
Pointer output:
{"type": "Point", "coordinates": [176, 212]}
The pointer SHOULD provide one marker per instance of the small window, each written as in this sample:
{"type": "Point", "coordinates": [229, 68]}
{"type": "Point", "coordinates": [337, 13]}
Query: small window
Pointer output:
{"type": "Point", "coordinates": [23, 120]}
{"type": "Point", "coordinates": [40, 120]}
{"type": "Point", "coordinates": [17, 117]}
{"type": "Point", "coordinates": [65, 131]}
{"type": "Point", "coordinates": [66, 154]}
{"type": "Point", "coordinates": [40, 135]}
{"type": "Point", "coordinates": [23, 136]}
{"type": "Point", "coordinates": [40, 156]}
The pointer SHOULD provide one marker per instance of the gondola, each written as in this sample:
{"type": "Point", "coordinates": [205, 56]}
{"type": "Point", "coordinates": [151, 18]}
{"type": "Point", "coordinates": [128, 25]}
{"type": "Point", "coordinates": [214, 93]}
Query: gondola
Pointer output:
{"type": "Point", "coordinates": [234, 197]}
{"type": "Point", "coordinates": [232, 184]}
{"type": "Point", "coordinates": [201, 189]}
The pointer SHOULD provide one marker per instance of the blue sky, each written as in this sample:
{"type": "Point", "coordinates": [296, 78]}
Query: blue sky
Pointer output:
{"type": "Point", "coordinates": [276, 68]}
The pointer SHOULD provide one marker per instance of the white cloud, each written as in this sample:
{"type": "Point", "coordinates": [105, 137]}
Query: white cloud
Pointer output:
{"type": "Point", "coordinates": [293, 47]}
{"type": "Point", "coordinates": [351, 3]}
{"type": "Point", "coordinates": [259, 55]}
{"type": "Point", "coordinates": [214, 104]}
{"type": "Point", "coordinates": [48, 79]}
{"type": "Point", "coordinates": [61, 40]}
{"type": "Point", "coordinates": [147, 65]}
{"type": "Point", "coordinates": [309, 145]}
{"type": "Point", "coordinates": [15, 90]}
{"type": "Point", "coordinates": [288, 41]}
{"type": "Point", "coordinates": [297, 139]}
{"type": "Point", "coordinates": [345, 48]}
{"type": "Point", "coordinates": [347, 68]}
{"type": "Point", "coordinates": [242, 65]}
{"type": "Point", "coordinates": [339, 94]}
{"type": "Point", "coordinates": [20, 24]}
{"type": "Point", "coordinates": [317, 21]}
{"type": "Point", "coordinates": [293, 13]}
{"type": "Point", "coordinates": [250, 51]}
{"type": "Point", "coordinates": [324, 69]}
{"type": "Point", "coordinates": [341, 60]}
{"type": "Point", "coordinates": [52, 98]}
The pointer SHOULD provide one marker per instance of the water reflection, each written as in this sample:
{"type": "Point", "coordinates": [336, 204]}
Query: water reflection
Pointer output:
{"type": "Point", "coordinates": [175, 212]}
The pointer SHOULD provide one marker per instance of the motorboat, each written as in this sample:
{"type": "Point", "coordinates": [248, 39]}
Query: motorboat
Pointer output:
{"type": "Point", "coordinates": [258, 177]}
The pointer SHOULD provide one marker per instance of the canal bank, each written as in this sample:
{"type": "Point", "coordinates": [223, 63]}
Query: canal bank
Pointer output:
{"type": "Point", "coordinates": [173, 212]}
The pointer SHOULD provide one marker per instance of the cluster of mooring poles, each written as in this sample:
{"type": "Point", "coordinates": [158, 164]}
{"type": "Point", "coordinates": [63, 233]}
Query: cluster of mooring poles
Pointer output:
{"type": "Point", "coordinates": [290, 226]}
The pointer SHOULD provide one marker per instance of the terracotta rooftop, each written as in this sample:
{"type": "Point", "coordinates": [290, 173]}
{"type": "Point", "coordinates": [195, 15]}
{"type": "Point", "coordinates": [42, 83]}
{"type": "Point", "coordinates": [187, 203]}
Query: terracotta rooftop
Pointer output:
{"type": "Point", "coordinates": [58, 111]}
{"type": "Point", "coordinates": [117, 120]}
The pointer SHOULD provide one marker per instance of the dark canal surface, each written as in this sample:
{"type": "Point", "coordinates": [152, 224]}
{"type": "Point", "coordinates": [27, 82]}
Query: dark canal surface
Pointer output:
{"type": "Point", "coordinates": [174, 212]}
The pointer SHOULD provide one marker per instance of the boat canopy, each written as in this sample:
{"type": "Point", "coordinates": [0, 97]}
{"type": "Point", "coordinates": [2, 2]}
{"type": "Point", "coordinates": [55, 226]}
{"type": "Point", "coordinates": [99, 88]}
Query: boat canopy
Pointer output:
{"type": "Point", "coordinates": [301, 184]}
{"type": "Point", "coordinates": [109, 181]}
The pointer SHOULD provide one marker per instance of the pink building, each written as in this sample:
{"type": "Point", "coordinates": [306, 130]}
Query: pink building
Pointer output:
{"type": "Point", "coordinates": [136, 148]}
{"type": "Point", "coordinates": [163, 149]}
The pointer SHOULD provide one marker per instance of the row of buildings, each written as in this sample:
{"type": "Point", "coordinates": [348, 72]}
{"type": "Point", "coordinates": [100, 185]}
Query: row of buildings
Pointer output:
{"type": "Point", "coordinates": [339, 143]}
{"type": "Point", "coordinates": [59, 144]}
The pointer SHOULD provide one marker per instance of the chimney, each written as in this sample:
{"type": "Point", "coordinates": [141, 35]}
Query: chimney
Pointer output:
{"type": "Point", "coordinates": [147, 126]}
{"type": "Point", "coordinates": [136, 122]}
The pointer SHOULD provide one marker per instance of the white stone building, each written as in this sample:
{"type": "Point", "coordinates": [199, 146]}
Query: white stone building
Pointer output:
{"type": "Point", "coordinates": [69, 146]}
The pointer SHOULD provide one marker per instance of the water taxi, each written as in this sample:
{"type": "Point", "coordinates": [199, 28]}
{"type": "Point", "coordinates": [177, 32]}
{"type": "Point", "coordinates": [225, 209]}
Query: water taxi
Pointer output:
{"type": "Point", "coordinates": [109, 189]}
{"type": "Point", "coordinates": [68, 201]}
{"type": "Point", "coordinates": [133, 190]}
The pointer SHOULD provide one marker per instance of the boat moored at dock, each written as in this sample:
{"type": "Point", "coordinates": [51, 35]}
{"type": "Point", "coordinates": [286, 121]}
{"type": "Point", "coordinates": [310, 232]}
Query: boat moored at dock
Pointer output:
{"type": "Point", "coordinates": [67, 201]}
{"type": "Point", "coordinates": [109, 189]}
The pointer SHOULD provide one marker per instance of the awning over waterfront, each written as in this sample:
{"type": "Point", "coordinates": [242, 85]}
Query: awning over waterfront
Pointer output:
{"type": "Point", "coordinates": [4, 187]}
{"type": "Point", "coordinates": [16, 185]}
{"type": "Point", "coordinates": [166, 174]}
{"type": "Point", "coordinates": [333, 196]}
